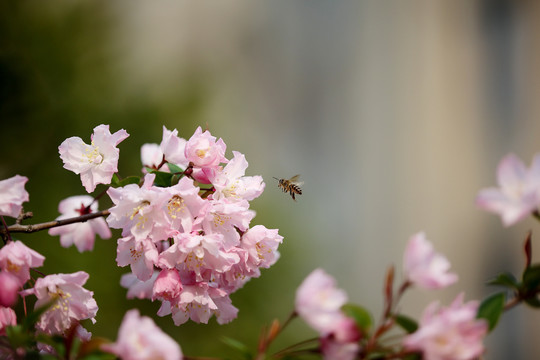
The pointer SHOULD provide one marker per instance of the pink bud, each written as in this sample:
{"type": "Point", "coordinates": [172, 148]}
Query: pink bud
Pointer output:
{"type": "Point", "coordinates": [168, 285]}
{"type": "Point", "coordinates": [9, 286]}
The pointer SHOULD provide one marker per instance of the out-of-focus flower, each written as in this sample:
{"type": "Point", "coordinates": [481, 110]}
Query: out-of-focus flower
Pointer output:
{"type": "Point", "coordinates": [204, 151]}
{"type": "Point", "coordinates": [97, 162]}
{"type": "Point", "coordinates": [12, 195]}
{"type": "Point", "coordinates": [452, 333]}
{"type": "Point", "coordinates": [424, 267]}
{"type": "Point", "coordinates": [81, 234]}
{"type": "Point", "coordinates": [72, 302]}
{"type": "Point", "coordinates": [7, 318]}
{"type": "Point", "coordinates": [17, 259]}
{"type": "Point", "coordinates": [335, 350]}
{"type": "Point", "coordinates": [9, 288]}
{"type": "Point", "coordinates": [139, 338]}
{"type": "Point", "coordinates": [518, 194]}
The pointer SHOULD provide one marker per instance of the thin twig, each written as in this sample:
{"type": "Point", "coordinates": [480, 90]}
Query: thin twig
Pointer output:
{"type": "Point", "coordinates": [17, 228]}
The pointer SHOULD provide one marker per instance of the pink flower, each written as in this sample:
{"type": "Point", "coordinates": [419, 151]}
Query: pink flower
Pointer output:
{"type": "Point", "coordinates": [17, 259]}
{"type": "Point", "coordinates": [7, 318]}
{"type": "Point", "coordinates": [319, 302]}
{"type": "Point", "coordinates": [424, 267]}
{"type": "Point", "coordinates": [9, 288]}
{"type": "Point", "coordinates": [335, 350]}
{"type": "Point", "coordinates": [203, 150]}
{"type": "Point", "coordinates": [141, 255]}
{"type": "Point", "coordinates": [12, 195]}
{"type": "Point", "coordinates": [139, 338]}
{"type": "Point", "coordinates": [261, 244]}
{"type": "Point", "coordinates": [137, 288]}
{"type": "Point", "coordinates": [151, 156]}
{"type": "Point", "coordinates": [97, 162]}
{"type": "Point", "coordinates": [231, 183]}
{"type": "Point", "coordinates": [73, 303]}
{"type": "Point", "coordinates": [452, 333]}
{"type": "Point", "coordinates": [167, 286]}
{"type": "Point", "coordinates": [81, 234]}
{"type": "Point", "coordinates": [173, 147]}
{"type": "Point", "coordinates": [518, 194]}
{"type": "Point", "coordinates": [199, 302]}
{"type": "Point", "coordinates": [139, 211]}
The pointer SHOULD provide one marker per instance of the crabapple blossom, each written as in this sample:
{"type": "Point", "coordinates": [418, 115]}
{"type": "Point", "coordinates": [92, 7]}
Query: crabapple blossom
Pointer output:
{"type": "Point", "coordinates": [424, 267]}
{"type": "Point", "coordinates": [199, 302]}
{"type": "Point", "coordinates": [141, 255]}
{"type": "Point", "coordinates": [137, 288]}
{"type": "Point", "coordinates": [151, 156]}
{"type": "Point", "coordinates": [452, 333]}
{"type": "Point", "coordinates": [17, 259]}
{"type": "Point", "coordinates": [7, 318]}
{"type": "Point", "coordinates": [81, 234]}
{"type": "Point", "coordinates": [12, 195]}
{"type": "Point", "coordinates": [231, 183]}
{"type": "Point", "coordinates": [9, 288]}
{"type": "Point", "coordinates": [204, 151]}
{"type": "Point", "coordinates": [173, 148]}
{"type": "Point", "coordinates": [72, 302]}
{"type": "Point", "coordinates": [319, 301]}
{"type": "Point", "coordinates": [518, 194]}
{"type": "Point", "coordinates": [97, 162]}
{"type": "Point", "coordinates": [138, 211]}
{"type": "Point", "coordinates": [167, 286]}
{"type": "Point", "coordinates": [184, 205]}
{"type": "Point", "coordinates": [139, 338]}
{"type": "Point", "coordinates": [261, 245]}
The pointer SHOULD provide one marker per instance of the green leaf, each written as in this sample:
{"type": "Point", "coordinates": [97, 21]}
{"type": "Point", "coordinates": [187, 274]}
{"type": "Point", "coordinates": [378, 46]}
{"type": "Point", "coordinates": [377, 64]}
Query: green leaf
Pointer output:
{"type": "Point", "coordinates": [491, 309]}
{"type": "Point", "coordinates": [175, 168]}
{"type": "Point", "coordinates": [128, 180]}
{"type": "Point", "coordinates": [237, 345]}
{"type": "Point", "coordinates": [163, 179]}
{"type": "Point", "coordinates": [406, 323]}
{"type": "Point", "coordinates": [506, 280]}
{"type": "Point", "coordinates": [361, 316]}
{"type": "Point", "coordinates": [114, 180]}
{"type": "Point", "coordinates": [531, 278]}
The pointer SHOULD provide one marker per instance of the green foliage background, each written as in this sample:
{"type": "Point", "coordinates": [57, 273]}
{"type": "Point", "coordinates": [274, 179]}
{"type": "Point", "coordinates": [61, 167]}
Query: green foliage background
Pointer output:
{"type": "Point", "coordinates": [57, 80]}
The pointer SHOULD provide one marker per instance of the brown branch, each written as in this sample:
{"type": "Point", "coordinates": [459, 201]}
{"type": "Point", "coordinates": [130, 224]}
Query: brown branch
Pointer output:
{"type": "Point", "coordinates": [18, 228]}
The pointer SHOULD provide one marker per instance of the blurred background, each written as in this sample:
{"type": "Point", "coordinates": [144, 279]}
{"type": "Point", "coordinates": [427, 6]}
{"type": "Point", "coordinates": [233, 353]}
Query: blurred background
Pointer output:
{"type": "Point", "coordinates": [394, 113]}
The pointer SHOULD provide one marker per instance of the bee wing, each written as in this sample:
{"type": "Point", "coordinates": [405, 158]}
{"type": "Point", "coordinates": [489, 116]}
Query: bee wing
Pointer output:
{"type": "Point", "coordinates": [295, 181]}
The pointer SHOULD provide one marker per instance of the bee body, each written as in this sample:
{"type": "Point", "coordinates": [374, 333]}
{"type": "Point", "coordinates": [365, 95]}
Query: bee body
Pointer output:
{"type": "Point", "coordinates": [292, 186]}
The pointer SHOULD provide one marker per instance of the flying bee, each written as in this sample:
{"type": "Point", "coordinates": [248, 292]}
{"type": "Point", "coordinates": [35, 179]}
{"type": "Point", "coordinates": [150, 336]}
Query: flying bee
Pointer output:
{"type": "Point", "coordinates": [292, 186]}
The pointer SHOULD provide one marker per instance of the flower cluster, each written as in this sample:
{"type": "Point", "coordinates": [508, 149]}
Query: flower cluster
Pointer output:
{"type": "Point", "coordinates": [192, 242]}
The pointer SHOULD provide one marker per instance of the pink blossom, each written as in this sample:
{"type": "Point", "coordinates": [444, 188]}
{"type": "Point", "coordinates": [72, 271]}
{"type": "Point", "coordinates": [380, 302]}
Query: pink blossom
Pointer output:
{"type": "Point", "coordinates": [141, 255]}
{"type": "Point", "coordinates": [137, 288]}
{"type": "Point", "coordinates": [199, 302]}
{"type": "Point", "coordinates": [9, 288]}
{"type": "Point", "coordinates": [319, 302]}
{"type": "Point", "coordinates": [424, 267]}
{"type": "Point", "coordinates": [173, 147]}
{"type": "Point", "coordinates": [167, 285]}
{"type": "Point", "coordinates": [81, 234]}
{"type": "Point", "coordinates": [151, 156]}
{"type": "Point", "coordinates": [139, 211]}
{"type": "Point", "coordinates": [183, 205]}
{"type": "Point", "coordinates": [139, 338]}
{"type": "Point", "coordinates": [12, 195]}
{"type": "Point", "coordinates": [17, 259]}
{"type": "Point", "coordinates": [452, 333]}
{"type": "Point", "coordinates": [97, 162]}
{"type": "Point", "coordinates": [203, 150]}
{"type": "Point", "coordinates": [518, 194]}
{"type": "Point", "coordinates": [7, 318]}
{"type": "Point", "coordinates": [73, 303]}
{"type": "Point", "coordinates": [261, 245]}
{"type": "Point", "coordinates": [231, 183]}
{"type": "Point", "coordinates": [335, 350]}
